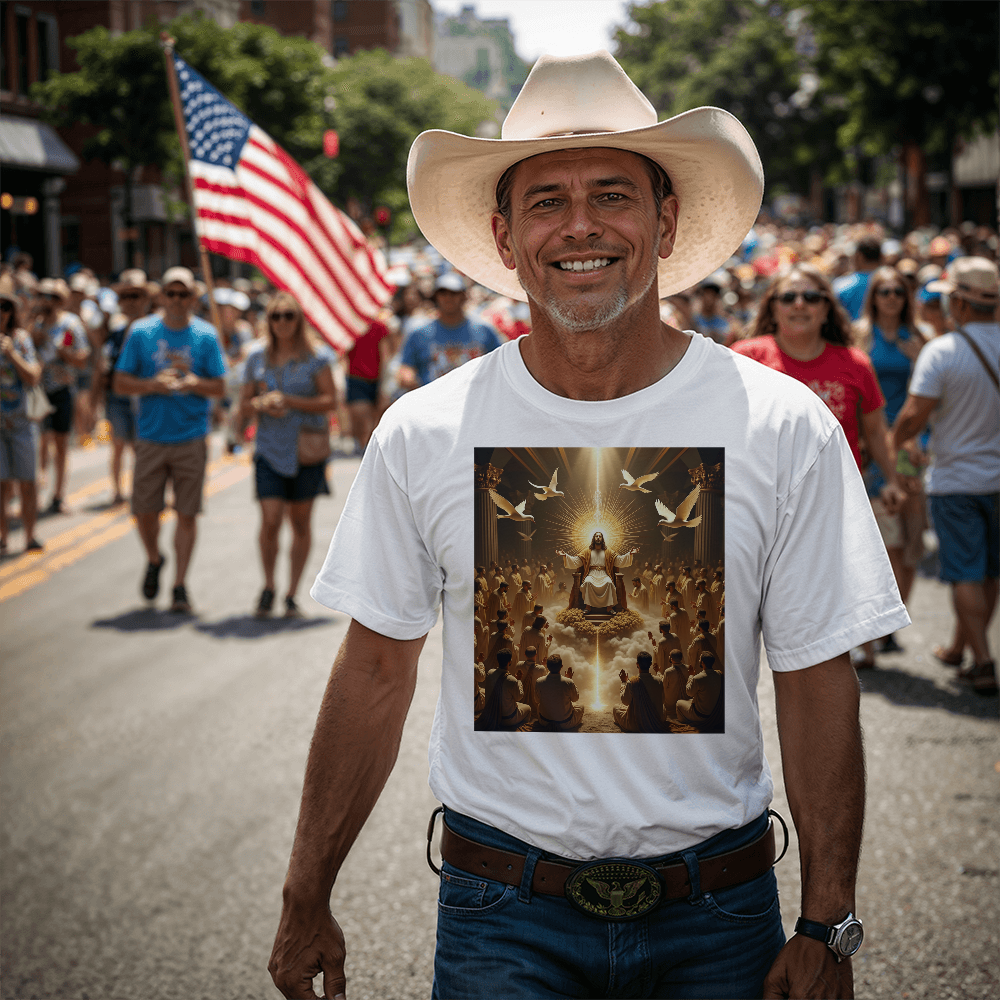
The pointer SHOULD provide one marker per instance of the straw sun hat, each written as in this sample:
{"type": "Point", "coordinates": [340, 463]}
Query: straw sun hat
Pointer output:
{"type": "Point", "coordinates": [583, 102]}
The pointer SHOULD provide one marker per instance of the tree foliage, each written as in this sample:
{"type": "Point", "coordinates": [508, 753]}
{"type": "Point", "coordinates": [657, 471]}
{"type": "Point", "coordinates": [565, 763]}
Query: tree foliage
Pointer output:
{"type": "Point", "coordinates": [740, 56]}
{"type": "Point", "coordinates": [287, 85]}
{"type": "Point", "coordinates": [824, 82]}
{"type": "Point", "coordinates": [921, 71]}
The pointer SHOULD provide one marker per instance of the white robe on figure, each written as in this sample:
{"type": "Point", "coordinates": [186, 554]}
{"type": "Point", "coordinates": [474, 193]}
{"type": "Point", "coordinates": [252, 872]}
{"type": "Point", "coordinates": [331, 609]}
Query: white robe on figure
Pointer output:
{"type": "Point", "coordinates": [598, 589]}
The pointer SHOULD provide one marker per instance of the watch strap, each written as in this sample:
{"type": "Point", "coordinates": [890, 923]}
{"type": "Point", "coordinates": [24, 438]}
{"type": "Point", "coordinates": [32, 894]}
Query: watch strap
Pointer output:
{"type": "Point", "coordinates": [812, 929]}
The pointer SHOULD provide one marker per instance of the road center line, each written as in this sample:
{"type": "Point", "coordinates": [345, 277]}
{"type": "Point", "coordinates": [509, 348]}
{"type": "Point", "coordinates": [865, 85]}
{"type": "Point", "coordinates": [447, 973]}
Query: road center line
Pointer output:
{"type": "Point", "coordinates": [68, 547]}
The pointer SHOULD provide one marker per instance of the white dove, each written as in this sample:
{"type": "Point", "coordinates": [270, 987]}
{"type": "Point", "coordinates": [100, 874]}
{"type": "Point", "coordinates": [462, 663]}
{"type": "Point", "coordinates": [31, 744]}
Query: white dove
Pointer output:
{"type": "Point", "coordinates": [527, 536]}
{"type": "Point", "coordinates": [668, 536]}
{"type": "Point", "coordinates": [679, 520]}
{"type": "Point", "coordinates": [514, 513]}
{"type": "Point", "coordinates": [548, 491]}
{"type": "Point", "coordinates": [636, 484]}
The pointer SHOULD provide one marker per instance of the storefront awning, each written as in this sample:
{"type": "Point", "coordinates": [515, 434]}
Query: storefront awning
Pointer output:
{"type": "Point", "coordinates": [34, 145]}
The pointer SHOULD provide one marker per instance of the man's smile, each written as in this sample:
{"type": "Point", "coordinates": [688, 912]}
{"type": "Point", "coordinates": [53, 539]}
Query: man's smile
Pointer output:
{"type": "Point", "coordinates": [584, 265]}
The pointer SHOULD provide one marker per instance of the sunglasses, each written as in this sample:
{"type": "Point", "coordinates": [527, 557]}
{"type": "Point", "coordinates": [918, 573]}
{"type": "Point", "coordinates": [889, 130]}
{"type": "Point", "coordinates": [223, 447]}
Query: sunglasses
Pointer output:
{"type": "Point", "coordinates": [6, 306]}
{"type": "Point", "coordinates": [177, 295]}
{"type": "Point", "coordinates": [134, 297]}
{"type": "Point", "coordinates": [286, 316]}
{"type": "Point", "coordinates": [884, 293]}
{"type": "Point", "coordinates": [48, 296]}
{"type": "Point", "coordinates": [810, 297]}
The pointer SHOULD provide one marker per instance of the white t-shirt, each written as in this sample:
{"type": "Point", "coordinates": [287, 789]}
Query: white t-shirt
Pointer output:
{"type": "Point", "coordinates": [965, 425]}
{"type": "Point", "coordinates": [805, 566]}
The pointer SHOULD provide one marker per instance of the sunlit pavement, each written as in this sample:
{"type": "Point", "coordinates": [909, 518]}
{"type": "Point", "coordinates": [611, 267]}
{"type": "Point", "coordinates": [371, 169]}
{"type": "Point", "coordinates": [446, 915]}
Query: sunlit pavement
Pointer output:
{"type": "Point", "coordinates": [152, 764]}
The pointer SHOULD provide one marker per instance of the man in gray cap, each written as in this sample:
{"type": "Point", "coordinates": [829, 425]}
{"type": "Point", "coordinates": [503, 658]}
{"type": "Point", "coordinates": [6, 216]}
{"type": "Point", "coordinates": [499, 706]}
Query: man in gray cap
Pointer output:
{"type": "Point", "coordinates": [956, 386]}
{"type": "Point", "coordinates": [446, 342]}
{"type": "Point", "coordinates": [601, 864]}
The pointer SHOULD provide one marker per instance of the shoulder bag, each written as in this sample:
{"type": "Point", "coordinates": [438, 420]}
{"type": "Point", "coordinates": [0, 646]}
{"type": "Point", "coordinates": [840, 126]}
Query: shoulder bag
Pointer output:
{"type": "Point", "coordinates": [36, 403]}
{"type": "Point", "coordinates": [314, 442]}
{"type": "Point", "coordinates": [979, 354]}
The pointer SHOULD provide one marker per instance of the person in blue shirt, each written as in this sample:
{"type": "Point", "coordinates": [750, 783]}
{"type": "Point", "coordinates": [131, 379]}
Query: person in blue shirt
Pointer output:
{"type": "Point", "coordinates": [174, 364]}
{"type": "Point", "coordinates": [852, 288]}
{"type": "Point", "coordinates": [888, 331]}
{"type": "Point", "coordinates": [445, 342]}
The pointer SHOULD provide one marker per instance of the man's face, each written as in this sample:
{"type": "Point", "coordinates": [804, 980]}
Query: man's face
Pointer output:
{"type": "Point", "coordinates": [133, 302]}
{"type": "Point", "coordinates": [585, 234]}
{"type": "Point", "coordinates": [177, 301]}
{"type": "Point", "coordinates": [598, 541]}
{"type": "Point", "coordinates": [450, 305]}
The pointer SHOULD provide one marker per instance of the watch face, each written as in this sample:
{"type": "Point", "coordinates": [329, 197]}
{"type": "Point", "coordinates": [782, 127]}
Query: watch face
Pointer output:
{"type": "Point", "coordinates": [850, 939]}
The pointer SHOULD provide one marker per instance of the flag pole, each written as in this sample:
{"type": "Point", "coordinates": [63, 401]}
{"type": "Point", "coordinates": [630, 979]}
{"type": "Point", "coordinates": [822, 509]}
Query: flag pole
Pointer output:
{"type": "Point", "coordinates": [175, 100]}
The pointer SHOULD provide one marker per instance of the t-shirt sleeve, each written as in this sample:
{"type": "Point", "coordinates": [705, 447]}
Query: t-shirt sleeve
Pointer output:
{"type": "Point", "coordinates": [412, 349]}
{"type": "Point", "coordinates": [129, 360]}
{"type": "Point", "coordinates": [215, 367]}
{"type": "Point", "coordinates": [828, 585]}
{"type": "Point", "coordinates": [252, 369]}
{"type": "Point", "coordinates": [378, 569]}
{"type": "Point", "coordinates": [927, 380]}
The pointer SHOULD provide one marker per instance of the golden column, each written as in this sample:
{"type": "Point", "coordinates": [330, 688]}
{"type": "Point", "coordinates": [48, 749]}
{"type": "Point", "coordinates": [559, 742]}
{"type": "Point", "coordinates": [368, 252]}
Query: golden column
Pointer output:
{"type": "Point", "coordinates": [486, 548]}
{"type": "Point", "coordinates": [710, 535]}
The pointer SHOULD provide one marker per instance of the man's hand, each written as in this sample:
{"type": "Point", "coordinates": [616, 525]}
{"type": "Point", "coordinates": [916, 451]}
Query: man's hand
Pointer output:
{"type": "Point", "coordinates": [807, 970]}
{"type": "Point", "coordinates": [893, 497]}
{"type": "Point", "coordinates": [305, 946]}
{"type": "Point", "coordinates": [623, 676]}
{"type": "Point", "coordinates": [165, 381]}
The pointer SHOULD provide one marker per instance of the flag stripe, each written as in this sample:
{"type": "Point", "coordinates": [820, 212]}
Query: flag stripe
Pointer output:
{"type": "Point", "coordinates": [254, 203]}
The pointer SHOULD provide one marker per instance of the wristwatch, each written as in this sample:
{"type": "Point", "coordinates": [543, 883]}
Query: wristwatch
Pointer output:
{"type": "Point", "coordinates": [843, 939]}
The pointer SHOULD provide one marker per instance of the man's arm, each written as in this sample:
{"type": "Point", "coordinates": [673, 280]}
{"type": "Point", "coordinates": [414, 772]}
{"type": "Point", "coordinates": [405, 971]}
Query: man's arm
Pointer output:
{"type": "Point", "coordinates": [822, 756]}
{"type": "Point", "coordinates": [353, 749]}
{"type": "Point", "coordinates": [912, 418]}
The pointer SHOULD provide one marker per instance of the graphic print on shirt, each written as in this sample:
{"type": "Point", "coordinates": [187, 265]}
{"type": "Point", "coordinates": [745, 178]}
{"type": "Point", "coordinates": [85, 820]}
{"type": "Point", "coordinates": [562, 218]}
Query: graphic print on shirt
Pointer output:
{"type": "Point", "coordinates": [602, 560]}
{"type": "Point", "coordinates": [167, 357]}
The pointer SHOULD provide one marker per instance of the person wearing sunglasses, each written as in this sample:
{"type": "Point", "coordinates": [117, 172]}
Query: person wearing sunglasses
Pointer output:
{"type": "Point", "coordinates": [887, 330]}
{"type": "Point", "coordinates": [801, 329]}
{"type": "Point", "coordinates": [19, 371]}
{"type": "Point", "coordinates": [287, 386]}
{"type": "Point", "coordinates": [62, 346]}
{"type": "Point", "coordinates": [174, 364]}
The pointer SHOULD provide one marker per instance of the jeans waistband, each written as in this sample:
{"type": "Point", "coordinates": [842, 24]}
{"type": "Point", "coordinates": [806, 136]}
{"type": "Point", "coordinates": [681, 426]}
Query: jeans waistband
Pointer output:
{"type": "Point", "coordinates": [721, 843]}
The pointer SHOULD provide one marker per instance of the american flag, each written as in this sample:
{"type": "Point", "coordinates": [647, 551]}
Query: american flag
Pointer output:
{"type": "Point", "coordinates": [254, 203]}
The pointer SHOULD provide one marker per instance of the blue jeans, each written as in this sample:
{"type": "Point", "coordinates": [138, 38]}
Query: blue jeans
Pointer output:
{"type": "Point", "coordinates": [496, 940]}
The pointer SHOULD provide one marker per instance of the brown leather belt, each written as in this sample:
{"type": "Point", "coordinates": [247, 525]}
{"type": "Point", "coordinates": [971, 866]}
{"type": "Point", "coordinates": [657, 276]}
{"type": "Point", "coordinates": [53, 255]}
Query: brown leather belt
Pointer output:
{"type": "Point", "coordinates": [718, 872]}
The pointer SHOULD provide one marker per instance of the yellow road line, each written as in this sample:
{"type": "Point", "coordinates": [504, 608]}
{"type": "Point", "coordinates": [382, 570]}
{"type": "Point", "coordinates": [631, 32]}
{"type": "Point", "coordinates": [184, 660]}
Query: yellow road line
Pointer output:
{"type": "Point", "coordinates": [72, 545]}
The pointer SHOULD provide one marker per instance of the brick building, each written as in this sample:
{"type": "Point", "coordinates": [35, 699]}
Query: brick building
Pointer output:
{"type": "Point", "coordinates": [61, 209]}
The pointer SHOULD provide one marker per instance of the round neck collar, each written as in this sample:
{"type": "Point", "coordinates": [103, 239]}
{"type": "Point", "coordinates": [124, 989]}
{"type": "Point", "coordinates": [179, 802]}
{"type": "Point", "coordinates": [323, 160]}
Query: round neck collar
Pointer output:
{"type": "Point", "coordinates": [532, 391]}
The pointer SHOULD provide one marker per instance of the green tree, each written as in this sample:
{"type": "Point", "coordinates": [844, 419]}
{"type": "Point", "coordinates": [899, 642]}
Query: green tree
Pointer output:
{"type": "Point", "coordinates": [913, 76]}
{"type": "Point", "coordinates": [750, 59]}
{"type": "Point", "coordinates": [382, 104]}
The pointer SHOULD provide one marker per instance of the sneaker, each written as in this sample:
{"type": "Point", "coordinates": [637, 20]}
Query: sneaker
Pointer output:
{"type": "Point", "coordinates": [181, 605]}
{"type": "Point", "coordinates": [265, 603]}
{"type": "Point", "coordinates": [34, 545]}
{"type": "Point", "coordinates": [151, 583]}
{"type": "Point", "coordinates": [56, 507]}
{"type": "Point", "coordinates": [292, 610]}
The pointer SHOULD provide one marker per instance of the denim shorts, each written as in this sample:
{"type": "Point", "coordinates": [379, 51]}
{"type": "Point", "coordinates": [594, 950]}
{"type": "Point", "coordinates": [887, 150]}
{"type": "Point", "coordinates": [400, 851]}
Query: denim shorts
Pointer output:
{"type": "Point", "coordinates": [18, 441]}
{"type": "Point", "coordinates": [498, 940]}
{"type": "Point", "coordinates": [968, 530]}
{"type": "Point", "coordinates": [361, 390]}
{"type": "Point", "coordinates": [307, 484]}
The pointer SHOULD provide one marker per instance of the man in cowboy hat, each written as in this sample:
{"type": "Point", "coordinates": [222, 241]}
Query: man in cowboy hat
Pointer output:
{"type": "Point", "coordinates": [955, 387]}
{"type": "Point", "coordinates": [603, 865]}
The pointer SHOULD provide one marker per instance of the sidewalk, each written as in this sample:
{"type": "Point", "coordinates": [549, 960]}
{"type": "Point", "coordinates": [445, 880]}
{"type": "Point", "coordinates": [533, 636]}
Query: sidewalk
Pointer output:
{"type": "Point", "coordinates": [929, 878]}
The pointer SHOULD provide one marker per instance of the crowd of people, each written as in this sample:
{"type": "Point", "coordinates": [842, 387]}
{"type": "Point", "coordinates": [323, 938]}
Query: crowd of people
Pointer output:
{"type": "Point", "coordinates": [519, 683]}
{"type": "Point", "coordinates": [845, 309]}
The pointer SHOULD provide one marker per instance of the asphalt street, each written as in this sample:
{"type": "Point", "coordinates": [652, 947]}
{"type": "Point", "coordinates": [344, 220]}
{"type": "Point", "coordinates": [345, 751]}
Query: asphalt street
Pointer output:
{"type": "Point", "coordinates": [152, 765]}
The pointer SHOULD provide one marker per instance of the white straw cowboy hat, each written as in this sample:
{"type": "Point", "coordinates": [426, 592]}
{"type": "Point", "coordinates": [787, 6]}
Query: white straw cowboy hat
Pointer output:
{"type": "Point", "coordinates": [578, 103]}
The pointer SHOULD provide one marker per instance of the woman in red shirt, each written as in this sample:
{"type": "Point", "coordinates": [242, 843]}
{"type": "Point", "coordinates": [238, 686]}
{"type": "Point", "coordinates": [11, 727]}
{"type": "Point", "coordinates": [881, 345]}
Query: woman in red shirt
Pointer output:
{"type": "Point", "coordinates": [802, 330]}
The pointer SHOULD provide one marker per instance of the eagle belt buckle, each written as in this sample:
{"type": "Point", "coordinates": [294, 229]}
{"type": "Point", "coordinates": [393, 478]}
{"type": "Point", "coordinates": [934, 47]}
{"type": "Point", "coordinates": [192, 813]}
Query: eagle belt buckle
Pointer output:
{"type": "Point", "coordinates": [614, 889]}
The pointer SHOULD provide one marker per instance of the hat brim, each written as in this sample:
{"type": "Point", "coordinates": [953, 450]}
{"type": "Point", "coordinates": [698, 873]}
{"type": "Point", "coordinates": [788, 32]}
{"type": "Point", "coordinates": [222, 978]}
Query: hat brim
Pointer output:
{"type": "Point", "coordinates": [713, 165]}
